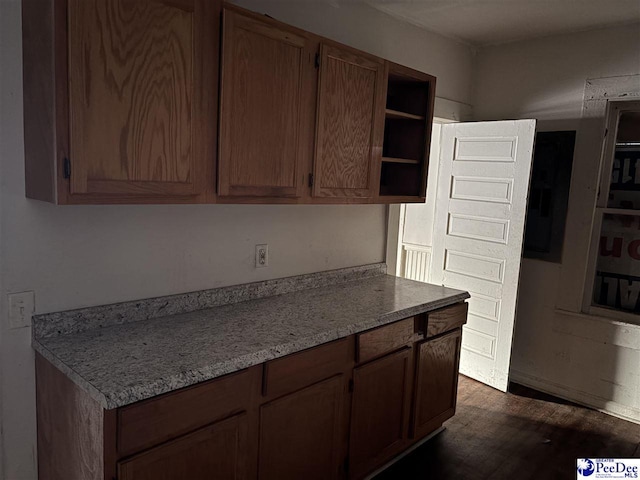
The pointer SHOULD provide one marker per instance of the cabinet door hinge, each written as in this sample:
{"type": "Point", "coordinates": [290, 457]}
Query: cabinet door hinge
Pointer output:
{"type": "Point", "coordinates": [351, 385]}
{"type": "Point", "coordinates": [311, 179]}
{"type": "Point", "coordinates": [66, 168]}
{"type": "Point", "coordinates": [317, 59]}
{"type": "Point", "coordinates": [606, 132]}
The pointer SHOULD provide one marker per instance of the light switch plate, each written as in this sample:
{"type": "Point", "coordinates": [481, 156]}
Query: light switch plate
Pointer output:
{"type": "Point", "coordinates": [21, 308]}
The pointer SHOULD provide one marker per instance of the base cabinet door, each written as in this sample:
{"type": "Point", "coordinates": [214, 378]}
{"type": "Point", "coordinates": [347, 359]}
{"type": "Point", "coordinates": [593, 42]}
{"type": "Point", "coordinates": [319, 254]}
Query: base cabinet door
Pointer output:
{"type": "Point", "coordinates": [303, 434]}
{"type": "Point", "coordinates": [216, 451]}
{"type": "Point", "coordinates": [379, 415]}
{"type": "Point", "coordinates": [436, 384]}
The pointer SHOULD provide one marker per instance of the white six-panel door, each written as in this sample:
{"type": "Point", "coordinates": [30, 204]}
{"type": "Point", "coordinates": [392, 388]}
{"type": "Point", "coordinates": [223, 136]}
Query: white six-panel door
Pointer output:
{"type": "Point", "coordinates": [481, 202]}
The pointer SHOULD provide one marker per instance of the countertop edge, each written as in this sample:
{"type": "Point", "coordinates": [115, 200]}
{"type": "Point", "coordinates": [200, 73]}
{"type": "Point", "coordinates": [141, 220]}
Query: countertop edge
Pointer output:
{"type": "Point", "coordinates": [71, 374]}
{"type": "Point", "coordinates": [186, 379]}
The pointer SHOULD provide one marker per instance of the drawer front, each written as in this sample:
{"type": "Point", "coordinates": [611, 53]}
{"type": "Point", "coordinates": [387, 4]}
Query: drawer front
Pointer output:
{"type": "Point", "coordinates": [379, 341]}
{"type": "Point", "coordinates": [154, 421]}
{"type": "Point", "coordinates": [301, 369]}
{"type": "Point", "coordinates": [447, 319]}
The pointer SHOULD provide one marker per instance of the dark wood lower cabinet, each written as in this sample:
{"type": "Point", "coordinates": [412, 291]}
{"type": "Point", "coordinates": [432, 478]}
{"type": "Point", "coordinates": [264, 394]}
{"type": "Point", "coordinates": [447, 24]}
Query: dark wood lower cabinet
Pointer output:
{"type": "Point", "coordinates": [302, 434]}
{"type": "Point", "coordinates": [436, 384]}
{"type": "Point", "coordinates": [380, 410]}
{"type": "Point", "coordinates": [336, 411]}
{"type": "Point", "coordinates": [216, 451]}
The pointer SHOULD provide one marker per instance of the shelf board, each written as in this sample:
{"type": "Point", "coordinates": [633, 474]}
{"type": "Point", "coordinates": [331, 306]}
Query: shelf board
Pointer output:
{"type": "Point", "coordinates": [402, 115]}
{"type": "Point", "coordinates": [400, 160]}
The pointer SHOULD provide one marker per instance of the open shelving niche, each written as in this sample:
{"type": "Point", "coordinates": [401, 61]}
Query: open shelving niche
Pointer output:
{"type": "Point", "coordinates": [407, 131]}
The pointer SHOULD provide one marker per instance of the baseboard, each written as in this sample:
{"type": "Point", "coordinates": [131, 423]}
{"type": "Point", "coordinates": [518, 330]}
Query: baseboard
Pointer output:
{"type": "Point", "coordinates": [603, 405]}
{"type": "Point", "coordinates": [405, 453]}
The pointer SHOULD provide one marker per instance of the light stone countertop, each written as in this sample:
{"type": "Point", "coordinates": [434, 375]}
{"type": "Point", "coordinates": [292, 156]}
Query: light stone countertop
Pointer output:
{"type": "Point", "coordinates": [125, 363]}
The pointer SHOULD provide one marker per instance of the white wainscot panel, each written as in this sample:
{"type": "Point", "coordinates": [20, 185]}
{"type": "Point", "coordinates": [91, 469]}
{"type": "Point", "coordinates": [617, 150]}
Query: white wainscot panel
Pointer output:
{"type": "Point", "coordinates": [417, 261]}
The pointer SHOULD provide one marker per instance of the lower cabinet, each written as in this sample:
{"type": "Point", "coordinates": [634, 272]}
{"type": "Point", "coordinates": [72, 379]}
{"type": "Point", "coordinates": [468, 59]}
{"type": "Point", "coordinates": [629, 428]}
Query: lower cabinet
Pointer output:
{"type": "Point", "coordinates": [380, 410]}
{"type": "Point", "coordinates": [215, 451]}
{"type": "Point", "coordinates": [436, 384]}
{"type": "Point", "coordinates": [340, 410]}
{"type": "Point", "coordinates": [301, 434]}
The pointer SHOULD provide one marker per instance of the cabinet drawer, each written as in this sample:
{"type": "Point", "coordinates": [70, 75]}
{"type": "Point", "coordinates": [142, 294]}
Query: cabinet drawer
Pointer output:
{"type": "Point", "coordinates": [446, 319]}
{"type": "Point", "coordinates": [375, 343]}
{"type": "Point", "coordinates": [151, 422]}
{"type": "Point", "coordinates": [299, 370]}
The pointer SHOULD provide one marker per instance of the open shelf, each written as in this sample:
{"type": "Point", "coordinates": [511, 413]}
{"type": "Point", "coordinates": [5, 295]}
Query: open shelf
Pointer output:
{"type": "Point", "coordinates": [407, 130]}
{"type": "Point", "coordinates": [400, 179]}
{"type": "Point", "coordinates": [398, 115]}
{"type": "Point", "coordinates": [400, 160]}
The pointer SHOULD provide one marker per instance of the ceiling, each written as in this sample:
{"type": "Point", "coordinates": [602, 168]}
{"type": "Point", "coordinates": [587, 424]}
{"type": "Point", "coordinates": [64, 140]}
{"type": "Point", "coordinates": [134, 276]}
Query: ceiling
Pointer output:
{"type": "Point", "coordinates": [488, 22]}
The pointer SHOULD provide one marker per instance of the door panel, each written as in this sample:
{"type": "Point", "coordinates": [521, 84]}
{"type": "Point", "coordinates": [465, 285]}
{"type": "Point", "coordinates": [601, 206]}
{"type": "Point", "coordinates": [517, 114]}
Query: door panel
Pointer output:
{"type": "Point", "coordinates": [264, 131]}
{"type": "Point", "coordinates": [301, 434]}
{"type": "Point", "coordinates": [216, 451]}
{"type": "Point", "coordinates": [349, 123]}
{"type": "Point", "coordinates": [483, 184]}
{"type": "Point", "coordinates": [135, 103]}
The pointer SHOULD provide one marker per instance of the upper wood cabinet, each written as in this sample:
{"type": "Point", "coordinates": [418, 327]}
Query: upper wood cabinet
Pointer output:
{"type": "Point", "coordinates": [121, 106]}
{"type": "Point", "coordinates": [349, 123]}
{"type": "Point", "coordinates": [266, 88]}
{"type": "Point", "coordinates": [126, 95]}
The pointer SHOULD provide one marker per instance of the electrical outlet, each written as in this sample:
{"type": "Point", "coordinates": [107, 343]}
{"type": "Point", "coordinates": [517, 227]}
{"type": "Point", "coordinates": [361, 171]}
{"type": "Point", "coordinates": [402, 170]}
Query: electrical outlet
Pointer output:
{"type": "Point", "coordinates": [21, 307]}
{"type": "Point", "coordinates": [262, 255]}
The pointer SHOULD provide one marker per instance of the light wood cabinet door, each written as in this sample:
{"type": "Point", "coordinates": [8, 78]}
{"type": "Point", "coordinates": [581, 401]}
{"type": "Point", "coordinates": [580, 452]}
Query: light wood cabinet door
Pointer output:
{"type": "Point", "coordinates": [265, 110]}
{"type": "Point", "coordinates": [380, 411]}
{"type": "Point", "coordinates": [303, 434]}
{"type": "Point", "coordinates": [436, 385]}
{"type": "Point", "coordinates": [350, 121]}
{"type": "Point", "coordinates": [216, 451]}
{"type": "Point", "coordinates": [142, 96]}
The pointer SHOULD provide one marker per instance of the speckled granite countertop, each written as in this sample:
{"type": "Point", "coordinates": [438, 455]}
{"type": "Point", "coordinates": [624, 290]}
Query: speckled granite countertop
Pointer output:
{"type": "Point", "coordinates": [122, 363]}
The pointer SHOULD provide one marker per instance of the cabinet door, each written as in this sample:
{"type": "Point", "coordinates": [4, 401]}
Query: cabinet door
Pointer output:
{"type": "Point", "coordinates": [436, 385]}
{"type": "Point", "coordinates": [142, 96]}
{"type": "Point", "coordinates": [265, 108]}
{"type": "Point", "coordinates": [380, 411]}
{"type": "Point", "coordinates": [216, 451]}
{"type": "Point", "coordinates": [350, 121]}
{"type": "Point", "coordinates": [303, 434]}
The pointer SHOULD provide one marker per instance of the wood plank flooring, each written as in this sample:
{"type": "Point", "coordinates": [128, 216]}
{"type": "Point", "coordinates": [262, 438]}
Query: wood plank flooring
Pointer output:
{"type": "Point", "coordinates": [520, 435]}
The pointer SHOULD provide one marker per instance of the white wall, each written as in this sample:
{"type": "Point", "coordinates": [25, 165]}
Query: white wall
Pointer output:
{"type": "Point", "coordinates": [590, 360]}
{"type": "Point", "coordinates": [78, 256]}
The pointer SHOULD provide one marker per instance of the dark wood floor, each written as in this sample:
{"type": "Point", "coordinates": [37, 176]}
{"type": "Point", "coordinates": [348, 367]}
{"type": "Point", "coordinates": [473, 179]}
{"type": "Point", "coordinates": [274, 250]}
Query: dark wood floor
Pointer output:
{"type": "Point", "coordinates": [523, 434]}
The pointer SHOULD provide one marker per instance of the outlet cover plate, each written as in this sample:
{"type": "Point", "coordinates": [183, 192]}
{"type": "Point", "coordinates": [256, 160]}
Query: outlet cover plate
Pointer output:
{"type": "Point", "coordinates": [262, 255]}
